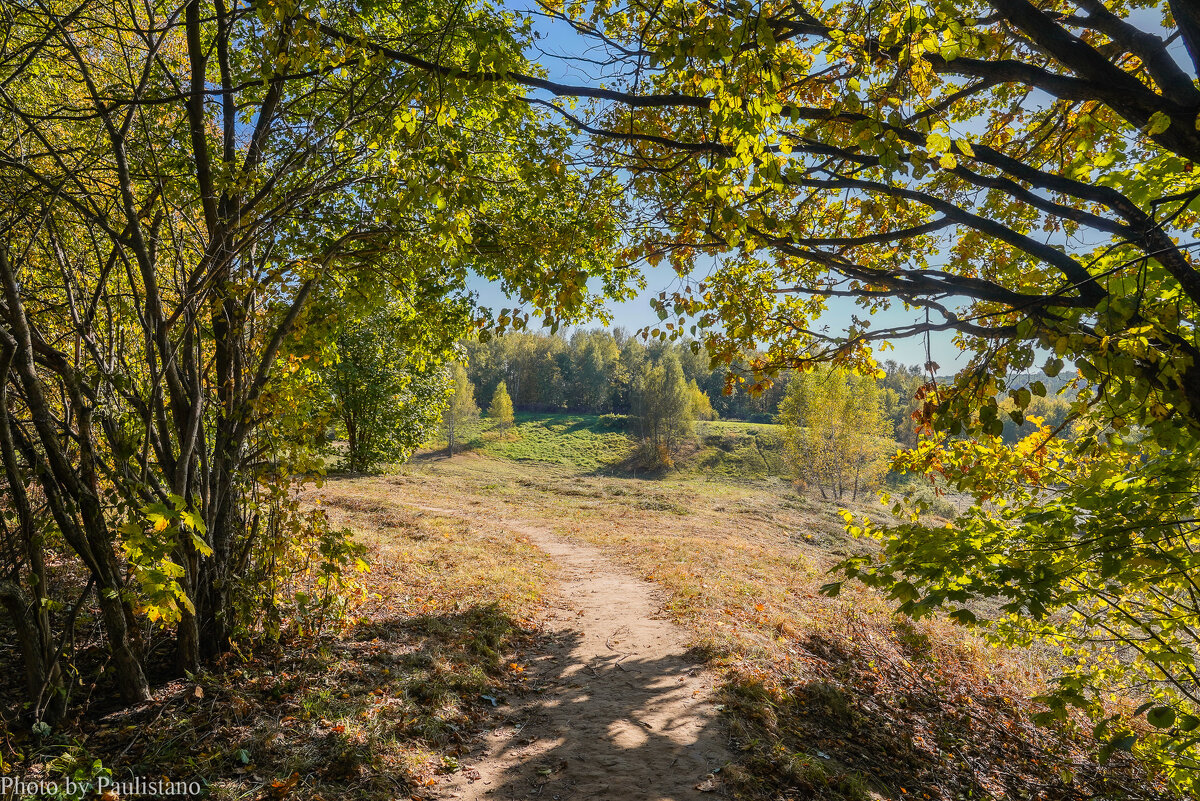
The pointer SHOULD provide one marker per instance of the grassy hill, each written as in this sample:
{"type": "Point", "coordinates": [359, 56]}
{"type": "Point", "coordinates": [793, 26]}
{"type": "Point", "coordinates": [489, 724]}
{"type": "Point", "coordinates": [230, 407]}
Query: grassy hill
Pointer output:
{"type": "Point", "coordinates": [727, 448]}
{"type": "Point", "coordinates": [819, 697]}
{"type": "Point", "coordinates": [824, 698]}
{"type": "Point", "coordinates": [579, 440]}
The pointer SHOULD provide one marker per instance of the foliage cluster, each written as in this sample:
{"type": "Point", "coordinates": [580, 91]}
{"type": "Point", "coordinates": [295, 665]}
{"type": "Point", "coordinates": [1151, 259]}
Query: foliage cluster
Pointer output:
{"type": "Point", "coordinates": [501, 408]}
{"type": "Point", "coordinates": [664, 408]}
{"type": "Point", "coordinates": [835, 434]}
{"type": "Point", "coordinates": [226, 227]}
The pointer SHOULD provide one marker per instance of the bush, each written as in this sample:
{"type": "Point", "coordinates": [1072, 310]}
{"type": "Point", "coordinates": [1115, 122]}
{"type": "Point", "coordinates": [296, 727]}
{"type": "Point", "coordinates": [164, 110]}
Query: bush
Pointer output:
{"type": "Point", "coordinates": [614, 422]}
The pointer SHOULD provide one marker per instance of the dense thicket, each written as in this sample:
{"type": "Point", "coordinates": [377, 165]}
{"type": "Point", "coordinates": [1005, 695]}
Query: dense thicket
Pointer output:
{"type": "Point", "coordinates": [209, 208]}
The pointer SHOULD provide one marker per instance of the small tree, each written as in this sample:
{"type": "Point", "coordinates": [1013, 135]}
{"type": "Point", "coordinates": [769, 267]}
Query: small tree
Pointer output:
{"type": "Point", "coordinates": [386, 403]}
{"type": "Point", "coordinates": [461, 407]}
{"type": "Point", "coordinates": [835, 433]}
{"type": "Point", "coordinates": [663, 406]}
{"type": "Point", "coordinates": [501, 407]}
{"type": "Point", "coordinates": [701, 406]}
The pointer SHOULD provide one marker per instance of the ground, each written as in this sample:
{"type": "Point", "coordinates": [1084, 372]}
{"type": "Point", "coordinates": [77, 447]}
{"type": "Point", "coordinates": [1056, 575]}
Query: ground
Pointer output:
{"type": "Point", "coordinates": [569, 629]}
{"type": "Point", "coordinates": [820, 697]}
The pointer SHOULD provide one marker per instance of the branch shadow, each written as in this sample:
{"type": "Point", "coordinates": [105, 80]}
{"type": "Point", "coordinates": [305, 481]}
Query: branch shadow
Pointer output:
{"type": "Point", "coordinates": [866, 723]}
{"type": "Point", "coordinates": [608, 726]}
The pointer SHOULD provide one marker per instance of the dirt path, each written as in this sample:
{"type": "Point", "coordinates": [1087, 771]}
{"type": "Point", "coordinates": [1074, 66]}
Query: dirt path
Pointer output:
{"type": "Point", "coordinates": [625, 712]}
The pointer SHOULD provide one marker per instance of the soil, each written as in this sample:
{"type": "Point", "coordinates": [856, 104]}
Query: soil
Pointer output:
{"type": "Point", "coordinates": [621, 708]}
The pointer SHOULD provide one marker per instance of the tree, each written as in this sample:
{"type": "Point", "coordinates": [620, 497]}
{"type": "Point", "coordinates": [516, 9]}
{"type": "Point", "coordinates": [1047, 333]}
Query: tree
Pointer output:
{"type": "Point", "coordinates": [460, 408]}
{"type": "Point", "coordinates": [700, 407]}
{"type": "Point", "coordinates": [631, 367]}
{"type": "Point", "coordinates": [386, 400]}
{"type": "Point", "coordinates": [501, 407]}
{"type": "Point", "coordinates": [182, 183]}
{"type": "Point", "coordinates": [593, 357]}
{"type": "Point", "coordinates": [835, 434]}
{"type": "Point", "coordinates": [900, 390]}
{"type": "Point", "coordinates": [1021, 175]}
{"type": "Point", "coordinates": [663, 407]}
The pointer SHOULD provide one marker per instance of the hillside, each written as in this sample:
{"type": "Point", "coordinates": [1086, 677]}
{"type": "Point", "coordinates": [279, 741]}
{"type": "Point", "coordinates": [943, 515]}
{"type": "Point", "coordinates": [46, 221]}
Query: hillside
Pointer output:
{"type": "Point", "coordinates": [728, 448]}
{"type": "Point", "coordinates": [820, 697]}
{"type": "Point", "coordinates": [538, 622]}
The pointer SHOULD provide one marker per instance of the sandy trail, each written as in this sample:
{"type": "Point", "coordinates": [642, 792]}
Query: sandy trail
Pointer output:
{"type": "Point", "coordinates": [625, 712]}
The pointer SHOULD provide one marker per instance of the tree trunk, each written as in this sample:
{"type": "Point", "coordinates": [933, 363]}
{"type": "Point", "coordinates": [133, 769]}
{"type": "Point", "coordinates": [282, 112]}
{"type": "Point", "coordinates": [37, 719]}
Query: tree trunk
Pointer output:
{"type": "Point", "coordinates": [213, 600]}
{"type": "Point", "coordinates": [71, 487]}
{"type": "Point", "coordinates": [42, 672]}
{"type": "Point", "coordinates": [127, 664]}
{"type": "Point", "coordinates": [187, 641]}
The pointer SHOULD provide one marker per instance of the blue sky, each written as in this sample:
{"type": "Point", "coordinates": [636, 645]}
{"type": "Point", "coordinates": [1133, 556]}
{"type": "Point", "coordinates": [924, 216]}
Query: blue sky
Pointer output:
{"type": "Point", "coordinates": [557, 51]}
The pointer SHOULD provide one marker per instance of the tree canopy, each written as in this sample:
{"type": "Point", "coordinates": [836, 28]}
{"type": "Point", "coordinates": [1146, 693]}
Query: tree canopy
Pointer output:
{"type": "Point", "coordinates": [835, 434]}
{"type": "Point", "coordinates": [1020, 175]}
{"type": "Point", "coordinates": [193, 191]}
{"type": "Point", "coordinates": [501, 407]}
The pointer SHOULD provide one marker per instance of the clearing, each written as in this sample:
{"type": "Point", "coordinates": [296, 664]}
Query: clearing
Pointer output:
{"type": "Point", "coordinates": [818, 697]}
{"type": "Point", "coordinates": [542, 630]}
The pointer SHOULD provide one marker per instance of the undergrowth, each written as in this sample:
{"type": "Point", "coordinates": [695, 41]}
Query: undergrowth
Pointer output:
{"type": "Point", "coordinates": [378, 711]}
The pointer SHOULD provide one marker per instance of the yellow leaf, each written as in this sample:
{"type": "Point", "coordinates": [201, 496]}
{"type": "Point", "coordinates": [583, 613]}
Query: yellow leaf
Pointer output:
{"type": "Point", "coordinates": [1159, 122]}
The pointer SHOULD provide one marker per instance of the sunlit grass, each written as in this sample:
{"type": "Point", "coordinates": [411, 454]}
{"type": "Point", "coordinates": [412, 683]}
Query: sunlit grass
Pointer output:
{"type": "Point", "coordinates": [825, 697]}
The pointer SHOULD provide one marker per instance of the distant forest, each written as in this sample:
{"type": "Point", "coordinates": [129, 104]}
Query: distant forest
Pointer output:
{"type": "Point", "coordinates": [595, 372]}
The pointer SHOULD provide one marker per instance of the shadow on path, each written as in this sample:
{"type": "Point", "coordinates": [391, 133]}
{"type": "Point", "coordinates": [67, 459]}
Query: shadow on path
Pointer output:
{"type": "Point", "coordinates": [620, 708]}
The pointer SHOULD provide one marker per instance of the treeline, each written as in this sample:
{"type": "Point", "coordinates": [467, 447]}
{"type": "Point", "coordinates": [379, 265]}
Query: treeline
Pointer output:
{"type": "Point", "coordinates": [597, 371]}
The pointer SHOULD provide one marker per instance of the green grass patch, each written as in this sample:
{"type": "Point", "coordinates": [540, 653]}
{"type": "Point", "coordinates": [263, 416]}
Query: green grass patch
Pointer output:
{"type": "Point", "coordinates": [739, 450]}
{"type": "Point", "coordinates": [578, 440]}
{"type": "Point", "coordinates": [727, 448]}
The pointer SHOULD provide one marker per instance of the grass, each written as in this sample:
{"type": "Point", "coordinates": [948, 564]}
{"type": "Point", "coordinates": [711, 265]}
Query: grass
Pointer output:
{"type": "Point", "coordinates": [831, 698]}
{"type": "Point", "coordinates": [585, 441]}
{"type": "Point", "coordinates": [374, 713]}
{"type": "Point", "coordinates": [728, 448]}
{"type": "Point", "coordinates": [824, 698]}
{"type": "Point", "coordinates": [738, 450]}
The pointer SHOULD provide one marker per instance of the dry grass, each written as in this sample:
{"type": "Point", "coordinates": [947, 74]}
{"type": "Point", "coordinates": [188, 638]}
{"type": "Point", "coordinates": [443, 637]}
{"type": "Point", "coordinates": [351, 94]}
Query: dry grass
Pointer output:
{"type": "Point", "coordinates": [825, 697]}
{"type": "Point", "coordinates": [373, 713]}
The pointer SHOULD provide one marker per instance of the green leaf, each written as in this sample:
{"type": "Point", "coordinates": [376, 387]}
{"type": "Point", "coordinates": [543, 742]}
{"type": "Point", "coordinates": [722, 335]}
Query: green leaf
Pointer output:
{"type": "Point", "coordinates": [201, 546]}
{"type": "Point", "coordinates": [1161, 717]}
